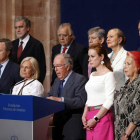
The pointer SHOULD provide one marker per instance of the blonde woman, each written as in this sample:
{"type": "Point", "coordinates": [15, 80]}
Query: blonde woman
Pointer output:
{"type": "Point", "coordinates": [29, 70]}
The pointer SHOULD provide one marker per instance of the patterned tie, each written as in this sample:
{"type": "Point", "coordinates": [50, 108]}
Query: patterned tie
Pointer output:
{"type": "Point", "coordinates": [89, 69]}
{"type": "Point", "coordinates": [0, 70]}
{"type": "Point", "coordinates": [19, 51]}
{"type": "Point", "coordinates": [63, 51]}
{"type": "Point", "coordinates": [61, 87]}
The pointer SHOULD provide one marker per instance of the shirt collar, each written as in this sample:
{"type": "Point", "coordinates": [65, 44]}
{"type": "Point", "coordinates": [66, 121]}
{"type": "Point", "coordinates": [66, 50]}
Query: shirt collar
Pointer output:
{"type": "Point", "coordinates": [25, 40]}
{"type": "Point", "coordinates": [67, 77]}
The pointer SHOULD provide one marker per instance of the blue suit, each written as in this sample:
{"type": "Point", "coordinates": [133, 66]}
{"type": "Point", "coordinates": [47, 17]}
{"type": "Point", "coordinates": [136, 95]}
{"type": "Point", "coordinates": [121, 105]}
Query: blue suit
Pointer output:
{"type": "Point", "coordinates": [9, 77]}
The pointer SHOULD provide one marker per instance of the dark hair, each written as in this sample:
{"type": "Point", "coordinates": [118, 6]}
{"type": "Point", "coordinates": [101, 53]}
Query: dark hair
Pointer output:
{"type": "Point", "coordinates": [135, 55]}
{"type": "Point", "coordinates": [100, 49]}
{"type": "Point", "coordinates": [120, 34]}
{"type": "Point", "coordinates": [26, 20]}
{"type": "Point", "coordinates": [8, 46]}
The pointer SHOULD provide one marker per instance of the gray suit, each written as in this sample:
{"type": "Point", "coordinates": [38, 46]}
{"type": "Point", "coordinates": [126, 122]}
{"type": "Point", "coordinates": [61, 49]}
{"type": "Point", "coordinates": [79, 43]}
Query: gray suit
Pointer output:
{"type": "Point", "coordinates": [68, 123]}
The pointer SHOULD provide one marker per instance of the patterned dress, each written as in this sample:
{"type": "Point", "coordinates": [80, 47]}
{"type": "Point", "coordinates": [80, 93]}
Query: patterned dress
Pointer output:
{"type": "Point", "coordinates": [127, 109]}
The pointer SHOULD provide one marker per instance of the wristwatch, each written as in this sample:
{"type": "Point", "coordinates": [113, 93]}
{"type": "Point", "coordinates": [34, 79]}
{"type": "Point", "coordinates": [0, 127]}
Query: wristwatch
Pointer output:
{"type": "Point", "coordinates": [126, 135]}
{"type": "Point", "coordinates": [96, 118]}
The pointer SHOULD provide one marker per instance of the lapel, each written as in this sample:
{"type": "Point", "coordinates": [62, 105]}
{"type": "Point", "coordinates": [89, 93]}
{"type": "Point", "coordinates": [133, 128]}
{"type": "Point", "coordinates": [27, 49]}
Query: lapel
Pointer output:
{"type": "Point", "coordinates": [118, 57]}
{"type": "Point", "coordinates": [6, 72]}
{"type": "Point", "coordinates": [26, 49]}
{"type": "Point", "coordinates": [58, 49]}
{"type": "Point", "coordinates": [71, 48]}
{"type": "Point", "coordinates": [56, 92]}
{"type": "Point", "coordinates": [68, 85]}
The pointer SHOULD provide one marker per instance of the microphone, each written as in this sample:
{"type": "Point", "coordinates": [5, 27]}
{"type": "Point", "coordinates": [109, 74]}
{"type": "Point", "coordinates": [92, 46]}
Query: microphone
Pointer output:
{"type": "Point", "coordinates": [16, 85]}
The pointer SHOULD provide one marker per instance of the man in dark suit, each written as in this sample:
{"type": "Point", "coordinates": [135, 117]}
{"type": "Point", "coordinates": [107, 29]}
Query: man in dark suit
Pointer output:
{"type": "Point", "coordinates": [69, 88]}
{"type": "Point", "coordinates": [70, 46]}
{"type": "Point", "coordinates": [9, 71]}
{"type": "Point", "coordinates": [95, 35]}
{"type": "Point", "coordinates": [26, 46]}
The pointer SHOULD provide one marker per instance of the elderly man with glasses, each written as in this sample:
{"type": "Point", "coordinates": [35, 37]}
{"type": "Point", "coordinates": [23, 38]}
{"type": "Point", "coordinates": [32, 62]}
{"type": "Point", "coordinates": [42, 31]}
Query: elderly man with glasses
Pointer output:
{"type": "Point", "coordinates": [68, 87]}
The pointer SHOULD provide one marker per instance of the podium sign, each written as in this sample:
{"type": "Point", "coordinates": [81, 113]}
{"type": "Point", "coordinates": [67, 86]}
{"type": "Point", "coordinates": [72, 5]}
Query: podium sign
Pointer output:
{"type": "Point", "coordinates": [26, 117]}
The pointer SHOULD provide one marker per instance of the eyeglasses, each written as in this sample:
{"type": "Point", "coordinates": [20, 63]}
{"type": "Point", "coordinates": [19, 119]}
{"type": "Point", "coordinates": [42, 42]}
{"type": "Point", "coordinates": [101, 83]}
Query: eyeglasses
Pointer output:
{"type": "Point", "coordinates": [58, 66]}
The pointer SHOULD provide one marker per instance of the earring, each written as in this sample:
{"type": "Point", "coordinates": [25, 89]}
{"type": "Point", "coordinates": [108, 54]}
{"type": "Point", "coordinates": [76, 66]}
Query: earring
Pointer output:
{"type": "Point", "coordinates": [102, 62]}
{"type": "Point", "coordinates": [118, 43]}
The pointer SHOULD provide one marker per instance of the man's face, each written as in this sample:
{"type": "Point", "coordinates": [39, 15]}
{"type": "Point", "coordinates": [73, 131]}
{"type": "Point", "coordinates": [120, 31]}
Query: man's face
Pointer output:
{"type": "Point", "coordinates": [139, 28]}
{"type": "Point", "coordinates": [93, 38]}
{"type": "Point", "coordinates": [3, 54]}
{"type": "Point", "coordinates": [60, 68]}
{"type": "Point", "coordinates": [64, 37]}
{"type": "Point", "coordinates": [21, 30]}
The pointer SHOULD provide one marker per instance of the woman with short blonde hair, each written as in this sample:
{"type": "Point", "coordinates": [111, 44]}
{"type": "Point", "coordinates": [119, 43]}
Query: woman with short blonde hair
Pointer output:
{"type": "Point", "coordinates": [29, 70]}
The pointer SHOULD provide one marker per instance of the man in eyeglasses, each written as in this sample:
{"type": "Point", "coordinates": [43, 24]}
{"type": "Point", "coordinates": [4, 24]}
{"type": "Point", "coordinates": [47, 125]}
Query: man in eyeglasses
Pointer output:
{"type": "Point", "coordinates": [67, 44]}
{"type": "Point", "coordinates": [68, 87]}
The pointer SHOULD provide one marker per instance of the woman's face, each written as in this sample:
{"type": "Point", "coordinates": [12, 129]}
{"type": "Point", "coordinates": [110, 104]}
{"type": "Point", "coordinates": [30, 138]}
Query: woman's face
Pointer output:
{"type": "Point", "coordinates": [112, 39]}
{"type": "Point", "coordinates": [94, 58]}
{"type": "Point", "coordinates": [26, 70]}
{"type": "Point", "coordinates": [130, 67]}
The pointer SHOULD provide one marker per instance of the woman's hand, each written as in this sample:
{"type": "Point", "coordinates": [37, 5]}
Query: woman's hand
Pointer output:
{"type": "Point", "coordinates": [84, 121]}
{"type": "Point", "coordinates": [91, 123]}
{"type": "Point", "coordinates": [124, 138]}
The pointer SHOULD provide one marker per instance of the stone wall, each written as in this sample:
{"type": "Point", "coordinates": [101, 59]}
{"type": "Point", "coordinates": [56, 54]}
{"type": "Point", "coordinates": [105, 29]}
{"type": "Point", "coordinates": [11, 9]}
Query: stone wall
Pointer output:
{"type": "Point", "coordinates": [44, 16]}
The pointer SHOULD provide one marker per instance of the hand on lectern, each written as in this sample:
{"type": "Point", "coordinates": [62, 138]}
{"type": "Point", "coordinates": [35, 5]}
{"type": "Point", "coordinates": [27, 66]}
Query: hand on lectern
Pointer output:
{"type": "Point", "coordinates": [55, 98]}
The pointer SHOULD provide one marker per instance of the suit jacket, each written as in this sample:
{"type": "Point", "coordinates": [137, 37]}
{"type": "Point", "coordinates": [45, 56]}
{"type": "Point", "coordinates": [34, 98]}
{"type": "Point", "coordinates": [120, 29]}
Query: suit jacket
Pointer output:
{"type": "Point", "coordinates": [33, 48]}
{"type": "Point", "coordinates": [68, 123]}
{"type": "Point", "coordinates": [10, 77]}
{"type": "Point", "coordinates": [118, 68]}
{"type": "Point", "coordinates": [76, 51]}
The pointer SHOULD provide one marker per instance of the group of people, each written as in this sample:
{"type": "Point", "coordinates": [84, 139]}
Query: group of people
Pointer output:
{"type": "Point", "coordinates": [91, 82]}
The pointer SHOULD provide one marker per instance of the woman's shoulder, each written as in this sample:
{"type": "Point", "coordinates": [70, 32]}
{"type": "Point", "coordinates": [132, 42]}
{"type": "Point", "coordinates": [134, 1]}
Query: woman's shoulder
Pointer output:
{"type": "Point", "coordinates": [36, 82]}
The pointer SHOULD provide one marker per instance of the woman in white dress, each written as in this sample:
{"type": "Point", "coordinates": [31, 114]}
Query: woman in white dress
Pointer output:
{"type": "Point", "coordinates": [97, 117]}
{"type": "Point", "coordinates": [29, 70]}
{"type": "Point", "coordinates": [116, 40]}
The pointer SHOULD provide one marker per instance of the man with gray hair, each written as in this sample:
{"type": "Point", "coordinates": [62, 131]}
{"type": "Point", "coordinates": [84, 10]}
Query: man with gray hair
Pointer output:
{"type": "Point", "coordinates": [67, 44]}
{"type": "Point", "coordinates": [68, 87]}
{"type": "Point", "coordinates": [26, 46]}
{"type": "Point", "coordinates": [95, 35]}
{"type": "Point", "coordinates": [9, 71]}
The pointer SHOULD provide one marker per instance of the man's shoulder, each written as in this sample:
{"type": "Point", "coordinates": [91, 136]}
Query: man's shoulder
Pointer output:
{"type": "Point", "coordinates": [77, 44]}
{"type": "Point", "coordinates": [13, 65]}
{"type": "Point", "coordinates": [58, 45]}
{"type": "Point", "coordinates": [34, 39]}
{"type": "Point", "coordinates": [14, 41]}
{"type": "Point", "coordinates": [78, 76]}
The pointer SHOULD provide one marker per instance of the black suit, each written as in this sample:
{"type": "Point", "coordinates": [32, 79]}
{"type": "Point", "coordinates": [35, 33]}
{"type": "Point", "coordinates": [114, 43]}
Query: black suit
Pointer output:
{"type": "Point", "coordinates": [33, 48]}
{"type": "Point", "coordinates": [76, 51]}
{"type": "Point", "coordinates": [10, 77]}
{"type": "Point", "coordinates": [68, 123]}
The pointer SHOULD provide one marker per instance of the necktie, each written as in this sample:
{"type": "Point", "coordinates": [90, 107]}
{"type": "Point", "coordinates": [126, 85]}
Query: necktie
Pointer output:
{"type": "Point", "coordinates": [61, 87]}
{"type": "Point", "coordinates": [89, 69]}
{"type": "Point", "coordinates": [63, 51]}
{"type": "Point", "coordinates": [0, 70]}
{"type": "Point", "coordinates": [19, 50]}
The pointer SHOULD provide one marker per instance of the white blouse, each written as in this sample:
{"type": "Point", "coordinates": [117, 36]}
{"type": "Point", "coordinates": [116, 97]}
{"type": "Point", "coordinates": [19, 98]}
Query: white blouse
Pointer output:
{"type": "Point", "coordinates": [34, 88]}
{"type": "Point", "coordinates": [100, 90]}
{"type": "Point", "coordinates": [118, 68]}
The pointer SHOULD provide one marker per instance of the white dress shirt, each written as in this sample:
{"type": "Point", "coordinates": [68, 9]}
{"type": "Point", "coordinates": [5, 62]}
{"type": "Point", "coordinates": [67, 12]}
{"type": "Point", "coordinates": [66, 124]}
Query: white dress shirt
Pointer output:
{"type": "Point", "coordinates": [25, 40]}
